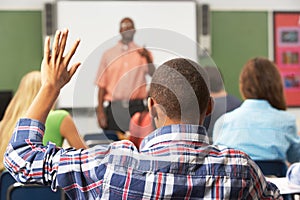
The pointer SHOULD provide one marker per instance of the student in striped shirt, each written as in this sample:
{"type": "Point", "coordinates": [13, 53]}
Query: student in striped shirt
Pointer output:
{"type": "Point", "coordinates": [175, 161]}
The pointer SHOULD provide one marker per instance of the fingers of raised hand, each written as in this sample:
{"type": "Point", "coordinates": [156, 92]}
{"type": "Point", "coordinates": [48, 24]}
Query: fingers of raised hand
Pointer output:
{"type": "Point", "coordinates": [55, 64]}
{"type": "Point", "coordinates": [55, 47]}
{"type": "Point", "coordinates": [71, 52]}
{"type": "Point", "coordinates": [74, 69]}
{"type": "Point", "coordinates": [62, 45]}
{"type": "Point", "coordinates": [57, 57]}
{"type": "Point", "coordinates": [47, 49]}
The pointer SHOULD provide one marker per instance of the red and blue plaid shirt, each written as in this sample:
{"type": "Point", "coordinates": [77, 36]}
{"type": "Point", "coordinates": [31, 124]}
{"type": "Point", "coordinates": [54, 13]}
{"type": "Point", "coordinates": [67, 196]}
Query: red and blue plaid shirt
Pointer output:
{"type": "Point", "coordinates": [174, 162]}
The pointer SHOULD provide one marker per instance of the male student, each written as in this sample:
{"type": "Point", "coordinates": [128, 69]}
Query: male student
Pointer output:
{"type": "Point", "coordinates": [174, 162]}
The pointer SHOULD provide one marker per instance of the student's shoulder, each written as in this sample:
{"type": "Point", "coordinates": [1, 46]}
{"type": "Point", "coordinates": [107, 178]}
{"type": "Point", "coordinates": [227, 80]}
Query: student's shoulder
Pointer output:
{"type": "Point", "coordinates": [58, 112]}
{"type": "Point", "coordinates": [230, 116]}
{"type": "Point", "coordinates": [232, 162]}
{"type": "Point", "coordinates": [123, 144]}
{"type": "Point", "coordinates": [287, 114]}
{"type": "Point", "coordinates": [225, 151]}
{"type": "Point", "coordinates": [283, 116]}
{"type": "Point", "coordinates": [231, 156]}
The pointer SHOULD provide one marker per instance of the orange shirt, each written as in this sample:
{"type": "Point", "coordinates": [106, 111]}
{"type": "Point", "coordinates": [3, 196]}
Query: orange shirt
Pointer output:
{"type": "Point", "coordinates": [122, 73]}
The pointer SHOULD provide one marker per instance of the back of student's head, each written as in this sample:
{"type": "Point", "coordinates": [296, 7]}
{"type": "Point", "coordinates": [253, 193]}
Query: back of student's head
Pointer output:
{"type": "Point", "coordinates": [27, 90]}
{"type": "Point", "coordinates": [215, 79]}
{"type": "Point", "coordinates": [179, 86]}
{"type": "Point", "coordinates": [260, 79]}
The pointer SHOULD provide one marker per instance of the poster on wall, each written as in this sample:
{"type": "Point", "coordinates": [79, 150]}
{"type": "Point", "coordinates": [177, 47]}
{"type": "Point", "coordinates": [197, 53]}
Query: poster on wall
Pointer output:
{"type": "Point", "coordinates": [287, 53]}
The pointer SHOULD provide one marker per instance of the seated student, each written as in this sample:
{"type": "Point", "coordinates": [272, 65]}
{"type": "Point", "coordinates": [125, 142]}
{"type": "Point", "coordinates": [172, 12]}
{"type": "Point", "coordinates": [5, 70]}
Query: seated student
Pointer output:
{"type": "Point", "coordinates": [293, 173]}
{"type": "Point", "coordinates": [60, 126]}
{"type": "Point", "coordinates": [260, 126]}
{"type": "Point", "coordinates": [223, 102]}
{"type": "Point", "coordinates": [59, 123]}
{"type": "Point", "coordinates": [174, 162]}
{"type": "Point", "coordinates": [139, 127]}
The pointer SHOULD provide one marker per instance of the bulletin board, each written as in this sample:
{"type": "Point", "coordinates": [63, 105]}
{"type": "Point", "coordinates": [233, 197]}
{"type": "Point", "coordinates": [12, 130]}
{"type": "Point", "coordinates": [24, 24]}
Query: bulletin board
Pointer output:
{"type": "Point", "coordinates": [287, 53]}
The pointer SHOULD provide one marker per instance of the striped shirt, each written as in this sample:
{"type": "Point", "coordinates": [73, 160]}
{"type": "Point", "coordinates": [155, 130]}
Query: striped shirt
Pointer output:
{"type": "Point", "coordinates": [174, 162]}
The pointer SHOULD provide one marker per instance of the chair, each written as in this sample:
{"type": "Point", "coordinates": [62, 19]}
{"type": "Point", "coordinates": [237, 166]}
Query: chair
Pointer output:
{"type": "Point", "coordinates": [276, 168]}
{"type": "Point", "coordinates": [272, 167]}
{"type": "Point", "coordinates": [19, 191]}
{"type": "Point", "coordinates": [6, 180]}
{"type": "Point", "coordinates": [105, 138]}
{"type": "Point", "coordinates": [5, 97]}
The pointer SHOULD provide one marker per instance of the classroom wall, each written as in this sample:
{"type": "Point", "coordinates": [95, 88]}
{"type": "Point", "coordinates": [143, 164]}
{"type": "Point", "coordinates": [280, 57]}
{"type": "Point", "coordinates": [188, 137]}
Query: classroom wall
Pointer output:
{"type": "Point", "coordinates": [236, 37]}
{"type": "Point", "coordinates": [240, 30]}
{"type": "Point", "coordinates": [21, 46]}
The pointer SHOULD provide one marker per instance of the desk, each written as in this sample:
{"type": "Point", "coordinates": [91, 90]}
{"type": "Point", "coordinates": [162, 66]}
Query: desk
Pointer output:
{"type": "Point", "coordinates": [284, 185]}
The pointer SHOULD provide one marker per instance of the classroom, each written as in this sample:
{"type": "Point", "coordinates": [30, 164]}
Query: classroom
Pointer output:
{"type": "Point", "coordinates": [219, 33]}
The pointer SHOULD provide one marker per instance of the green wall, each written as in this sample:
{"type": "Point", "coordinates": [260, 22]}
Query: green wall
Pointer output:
{"type": "Point", "coordinates": [20, 46]}
{"type": "Point", "coordinates": [237, 37]}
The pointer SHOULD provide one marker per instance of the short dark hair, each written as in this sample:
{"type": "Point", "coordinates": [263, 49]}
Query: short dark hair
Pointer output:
{"type": "Point", "coordinates": [180, 87]}
{"type": "Point", "coordinates": [260, 79]}
{"type": "Point", "coordinates": [215, 79]}
{"type": "Point", "coordinates": [128, 20]}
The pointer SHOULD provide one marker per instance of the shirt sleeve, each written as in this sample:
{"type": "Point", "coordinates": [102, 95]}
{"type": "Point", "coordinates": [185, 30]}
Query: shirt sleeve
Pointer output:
{"type": "Point", "coordinates": [31, 162]}
{"type": "Point", "coordinates": [259, 187]}
{"type": "Point", "coordinates": [101, 78]}
{"type": "Point", "coordinates": [293, 173]}
{"type": "Point", "coordinates": [25, 157]}
{"type": "Point", "coordinates": [53, 124]}
{"type": "Point", "coordinates": [293, 152]}
{"type": "Point", "coordinates": [217, 129]}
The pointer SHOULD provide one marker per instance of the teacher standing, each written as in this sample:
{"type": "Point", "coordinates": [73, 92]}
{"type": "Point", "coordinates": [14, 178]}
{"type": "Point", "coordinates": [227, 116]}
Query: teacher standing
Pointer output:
{"type": "Point", "coordinates": [121, 80]}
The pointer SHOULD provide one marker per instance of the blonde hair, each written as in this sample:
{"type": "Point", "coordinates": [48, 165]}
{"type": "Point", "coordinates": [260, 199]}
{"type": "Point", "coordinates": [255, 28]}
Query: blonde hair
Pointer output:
{"type": "Point", "coordinates": [27, 90]}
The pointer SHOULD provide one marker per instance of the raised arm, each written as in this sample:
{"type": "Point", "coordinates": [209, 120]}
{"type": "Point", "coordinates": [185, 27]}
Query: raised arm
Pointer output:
{"type": "Point", "coordinates": [28, 160]}
{"type": "Point", "coordinates": [25, 157]}
{"type": "Point", "coordinates": [55, 74]}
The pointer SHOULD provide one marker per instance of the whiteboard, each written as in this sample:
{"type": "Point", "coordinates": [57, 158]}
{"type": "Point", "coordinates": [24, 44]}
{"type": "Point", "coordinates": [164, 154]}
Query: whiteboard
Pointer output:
{"type": "Point", "coordinates": [167, 28]}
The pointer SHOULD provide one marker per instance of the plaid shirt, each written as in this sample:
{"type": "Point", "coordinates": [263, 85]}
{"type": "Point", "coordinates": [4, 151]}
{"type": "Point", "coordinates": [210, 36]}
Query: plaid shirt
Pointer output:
{"type": "Point", "coordinates": [174, 162]}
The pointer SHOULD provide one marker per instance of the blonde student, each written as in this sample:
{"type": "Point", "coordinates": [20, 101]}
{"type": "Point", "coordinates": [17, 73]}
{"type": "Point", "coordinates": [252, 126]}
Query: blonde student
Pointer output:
{"type": "Point", "coordinates": [59, 124]}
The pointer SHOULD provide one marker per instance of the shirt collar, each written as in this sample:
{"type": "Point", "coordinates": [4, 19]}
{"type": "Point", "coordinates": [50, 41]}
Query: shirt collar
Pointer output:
{"type": "Point", "coordinates": [130, 45]}
{"type": "Point", "coordinates": [256, 103]}
{"type": "Point", "coordinates": [176, 132]}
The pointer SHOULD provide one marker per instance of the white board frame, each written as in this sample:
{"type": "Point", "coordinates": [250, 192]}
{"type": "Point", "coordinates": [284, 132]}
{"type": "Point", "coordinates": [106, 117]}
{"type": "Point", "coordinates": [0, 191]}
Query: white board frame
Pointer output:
{"type": "Point", "coordinates": [167, 28]}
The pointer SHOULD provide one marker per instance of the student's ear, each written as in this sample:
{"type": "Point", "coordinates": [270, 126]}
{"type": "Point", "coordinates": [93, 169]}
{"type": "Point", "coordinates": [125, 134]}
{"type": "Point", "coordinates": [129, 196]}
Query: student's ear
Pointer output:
{"type": "Point", "coordinates": [210, 106]}
{"type": "Point", "coordinates": [151, 108]}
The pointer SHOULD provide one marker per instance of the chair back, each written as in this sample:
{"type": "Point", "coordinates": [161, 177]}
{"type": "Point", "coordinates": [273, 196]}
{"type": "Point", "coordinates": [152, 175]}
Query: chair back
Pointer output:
{"type": "Point", "coordinates": [105, 138]}
{"type": "Point", "coordinates": [19, 191]}
{"type": "Point", "coordinates": [6, 180]}
{"type": "Point", "coordinates": [272, 167]}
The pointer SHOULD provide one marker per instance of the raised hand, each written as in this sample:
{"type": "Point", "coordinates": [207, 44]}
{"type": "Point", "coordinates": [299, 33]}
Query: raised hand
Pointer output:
{"type": "Point", "coordinates": [55, 74]}
{"type": "Point", "coordinates": [54, 66]}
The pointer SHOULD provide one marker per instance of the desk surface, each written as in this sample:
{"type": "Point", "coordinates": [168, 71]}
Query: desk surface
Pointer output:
{"type": "Point", "coordinates": [284, 185]}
